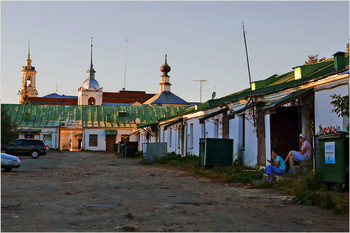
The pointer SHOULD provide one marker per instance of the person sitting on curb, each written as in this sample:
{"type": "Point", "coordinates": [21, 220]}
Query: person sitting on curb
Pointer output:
{"type": "Point", "coordinates": [298, 156]}
{"type": "Point", "coordinates": [277, 167]}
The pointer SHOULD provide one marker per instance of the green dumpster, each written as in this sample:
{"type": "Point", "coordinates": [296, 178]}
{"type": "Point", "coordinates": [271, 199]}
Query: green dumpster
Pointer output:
{"type": "Point", "coordinates": [334, 156]}
{"type": "Point", "coordinates": [215, 152]}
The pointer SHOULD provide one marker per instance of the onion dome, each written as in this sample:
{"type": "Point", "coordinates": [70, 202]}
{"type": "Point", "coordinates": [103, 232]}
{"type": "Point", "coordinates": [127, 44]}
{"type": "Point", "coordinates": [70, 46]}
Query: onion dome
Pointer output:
{"type": "Point", "coordinates": [165, 68]}
{"type": "Point", "coordinates": [88, 83]}
{"type": "Point", "coordinates": [91, 81]}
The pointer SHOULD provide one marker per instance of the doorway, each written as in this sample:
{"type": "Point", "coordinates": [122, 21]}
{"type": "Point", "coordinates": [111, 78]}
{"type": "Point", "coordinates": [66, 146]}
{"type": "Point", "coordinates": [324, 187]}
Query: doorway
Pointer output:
{"type": "Point", "coordinates": [70, 139]}
{"type": "Point", "coordinates": [110, 141]}
{"type": "Point", "coordinates": [285, 129]}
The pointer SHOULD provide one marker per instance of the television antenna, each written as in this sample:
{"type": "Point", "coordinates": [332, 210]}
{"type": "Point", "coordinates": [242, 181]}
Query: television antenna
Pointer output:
{"type": "Point", "coordinates": [201, 81]}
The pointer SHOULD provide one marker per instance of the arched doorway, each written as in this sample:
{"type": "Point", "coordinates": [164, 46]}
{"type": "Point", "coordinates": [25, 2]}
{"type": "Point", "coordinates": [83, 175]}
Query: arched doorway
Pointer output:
{"type": "Point", "coordinates": [91, 101]}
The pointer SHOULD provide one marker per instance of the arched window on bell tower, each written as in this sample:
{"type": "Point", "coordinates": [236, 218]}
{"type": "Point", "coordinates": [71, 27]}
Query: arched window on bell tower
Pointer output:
{"type": "Point", "coordinates": [91, 101]}
{"type": "Point", "coordinates": [29, 81]}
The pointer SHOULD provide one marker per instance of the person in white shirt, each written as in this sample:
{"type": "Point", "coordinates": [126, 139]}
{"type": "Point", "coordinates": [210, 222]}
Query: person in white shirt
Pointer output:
{"type": "Point", "coordinates": [302, 155]}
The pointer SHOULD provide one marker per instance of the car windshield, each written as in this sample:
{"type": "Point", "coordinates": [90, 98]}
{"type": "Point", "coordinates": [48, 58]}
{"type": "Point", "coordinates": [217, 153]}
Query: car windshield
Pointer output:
{"type": "Point", "coordinates": [17, 142]}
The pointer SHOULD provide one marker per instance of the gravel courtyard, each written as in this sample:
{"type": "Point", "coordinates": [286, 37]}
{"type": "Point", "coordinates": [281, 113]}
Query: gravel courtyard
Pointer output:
{"type": "Point", "coordinates": [96, 191]}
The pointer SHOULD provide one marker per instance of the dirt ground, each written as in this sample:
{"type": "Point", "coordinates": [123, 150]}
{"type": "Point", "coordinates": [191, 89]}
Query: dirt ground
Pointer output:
{"type": "Point", "coordinates": [95, 191]}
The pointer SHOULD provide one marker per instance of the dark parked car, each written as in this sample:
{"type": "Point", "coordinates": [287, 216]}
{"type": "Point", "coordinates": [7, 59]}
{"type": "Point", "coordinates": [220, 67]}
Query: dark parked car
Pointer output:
{"type": "Point", "coordinates": [8, 162]}
{"type": "Point", "coordinates": [32, 147]}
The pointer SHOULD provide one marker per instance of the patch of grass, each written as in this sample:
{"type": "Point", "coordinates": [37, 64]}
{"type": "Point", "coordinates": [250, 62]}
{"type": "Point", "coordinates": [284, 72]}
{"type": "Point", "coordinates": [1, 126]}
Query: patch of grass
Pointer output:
{"type": "Point", "coordinates": [138, 155]}
{"type": "Point", "coordinates": [309, 189]}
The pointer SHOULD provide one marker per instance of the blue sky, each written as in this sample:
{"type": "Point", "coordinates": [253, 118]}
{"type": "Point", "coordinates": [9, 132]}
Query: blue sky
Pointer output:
{"type": "Point", "coordinates": [203, 40]}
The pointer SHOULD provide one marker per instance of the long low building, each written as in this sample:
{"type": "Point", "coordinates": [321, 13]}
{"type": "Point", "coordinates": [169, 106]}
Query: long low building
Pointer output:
{"type": "Point", "coordinates": [77, 127]}
{"type": "Point", "coordinates": [279, 109]}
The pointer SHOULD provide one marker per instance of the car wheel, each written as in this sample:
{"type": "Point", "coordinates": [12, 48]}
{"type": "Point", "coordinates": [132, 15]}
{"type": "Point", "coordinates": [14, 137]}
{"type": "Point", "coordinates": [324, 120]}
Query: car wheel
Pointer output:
{"type": "Point", "coordinates": [34, 154]}
{"type": "Point", "coordinates": [7, 169]}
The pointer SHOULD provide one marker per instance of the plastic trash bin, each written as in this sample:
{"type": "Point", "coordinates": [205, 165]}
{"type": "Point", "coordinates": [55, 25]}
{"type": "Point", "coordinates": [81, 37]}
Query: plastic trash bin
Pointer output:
{"type": "Point", "coordinates": [334, 156]}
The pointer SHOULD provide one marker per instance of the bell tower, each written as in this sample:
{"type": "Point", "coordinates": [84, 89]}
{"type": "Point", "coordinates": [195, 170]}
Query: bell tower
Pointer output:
{"type": "Point", "coordinates": [28, 77]}
{"type": "Point", "coordinates": [164, 79]}
{"type": "Point", "coordinates": [90, 93]}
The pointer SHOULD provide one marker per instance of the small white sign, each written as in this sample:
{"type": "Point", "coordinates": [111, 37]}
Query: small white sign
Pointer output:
{"type": "Point", "coordinates": [329, 152]}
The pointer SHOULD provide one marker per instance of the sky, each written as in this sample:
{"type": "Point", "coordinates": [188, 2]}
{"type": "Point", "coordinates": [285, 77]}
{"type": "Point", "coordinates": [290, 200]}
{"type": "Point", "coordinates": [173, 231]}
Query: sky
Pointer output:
{"type": "Point", "coordinates": [203, 40]}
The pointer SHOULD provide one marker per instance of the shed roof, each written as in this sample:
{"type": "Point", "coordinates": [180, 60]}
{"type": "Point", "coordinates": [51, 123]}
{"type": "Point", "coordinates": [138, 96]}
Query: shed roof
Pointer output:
{"type": "Point", "coordinates": [90, 116]}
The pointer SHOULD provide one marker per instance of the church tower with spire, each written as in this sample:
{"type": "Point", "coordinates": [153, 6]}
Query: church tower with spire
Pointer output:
{"type": "Point", "coordinates": [90, 92]}
{"type": "Point", "coordinates": [164, 83]}
{"type": "Point", "coordinates": [28, 78]}
{"type": "Point", "coordinates": [165, 97]}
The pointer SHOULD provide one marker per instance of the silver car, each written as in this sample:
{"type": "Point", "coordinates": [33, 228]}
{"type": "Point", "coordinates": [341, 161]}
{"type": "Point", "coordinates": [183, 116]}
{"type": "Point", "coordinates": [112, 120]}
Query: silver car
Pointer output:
{"type": "Point", "coordinates": [9, 161]}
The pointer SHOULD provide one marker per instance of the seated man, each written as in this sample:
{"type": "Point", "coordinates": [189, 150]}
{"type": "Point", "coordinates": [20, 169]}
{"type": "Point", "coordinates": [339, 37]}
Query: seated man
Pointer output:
{"type": "Point", "coordinates": [302, 155]}
{"type": "Point", "coordinates": [277, 167]}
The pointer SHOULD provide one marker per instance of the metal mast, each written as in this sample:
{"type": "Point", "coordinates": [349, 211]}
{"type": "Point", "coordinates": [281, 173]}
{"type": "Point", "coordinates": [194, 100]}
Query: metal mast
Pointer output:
{"type": "Point", "coordinates": [200, 88]}
{"type": "Point", "coordinates": [91, 65]}
{"type": "Point", "coordinates": [250, 80]}
{"type": "Point", "coordinates": [126, 59]}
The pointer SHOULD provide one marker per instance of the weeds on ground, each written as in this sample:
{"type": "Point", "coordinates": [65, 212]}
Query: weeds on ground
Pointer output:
{"type": "Point", "coordinates": [309, 189]}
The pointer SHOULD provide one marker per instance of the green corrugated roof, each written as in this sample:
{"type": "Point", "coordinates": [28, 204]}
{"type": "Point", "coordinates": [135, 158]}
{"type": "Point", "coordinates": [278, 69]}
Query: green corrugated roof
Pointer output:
{"type": "Point", "coordinates": [91, 116]}
{"type": "Point", "coordinates": [270, 85]}
{"type": "Point", "coordinates": [287, 98]}
{"type": "Point", "coordinates": [280, 82]}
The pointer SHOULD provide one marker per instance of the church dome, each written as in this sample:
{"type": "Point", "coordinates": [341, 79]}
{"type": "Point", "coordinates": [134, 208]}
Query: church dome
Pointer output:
{"type": "Point", "coordinates": [91, 83]}
{"type": "Point", "coordinates": [165, 68]}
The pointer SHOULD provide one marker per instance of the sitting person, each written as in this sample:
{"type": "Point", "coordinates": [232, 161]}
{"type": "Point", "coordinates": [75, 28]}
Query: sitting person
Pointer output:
{"type": "Point", "coordinates": [298, 156]}
{"type": "Point", "coordinates": [277, 167]}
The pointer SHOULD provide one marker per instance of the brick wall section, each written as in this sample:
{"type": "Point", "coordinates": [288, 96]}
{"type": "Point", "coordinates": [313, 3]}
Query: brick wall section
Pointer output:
{"type": "Point", "coordinates": [128, 97]}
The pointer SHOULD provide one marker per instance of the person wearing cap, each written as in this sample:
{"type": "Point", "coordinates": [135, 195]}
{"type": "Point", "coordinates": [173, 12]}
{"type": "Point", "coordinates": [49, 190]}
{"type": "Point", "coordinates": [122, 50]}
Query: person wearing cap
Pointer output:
{"type": "Point", "coordinates": [302, 155]}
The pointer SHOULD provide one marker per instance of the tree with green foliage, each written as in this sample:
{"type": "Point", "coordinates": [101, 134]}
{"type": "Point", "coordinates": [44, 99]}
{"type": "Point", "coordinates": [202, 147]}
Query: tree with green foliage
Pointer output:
{"type": "Point", "coordinates": [8, 128]}
{"type": "Point", "coordinates": [341, 105]}
{"type": "Point", "coordinates": [314, 59]}
{"type": "Point", "coordinates": [25, 99]}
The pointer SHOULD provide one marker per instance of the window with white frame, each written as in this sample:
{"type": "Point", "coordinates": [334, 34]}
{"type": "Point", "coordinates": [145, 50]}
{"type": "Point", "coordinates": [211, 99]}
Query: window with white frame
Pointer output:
{"type": "Point", "coordinates": [93, 140]}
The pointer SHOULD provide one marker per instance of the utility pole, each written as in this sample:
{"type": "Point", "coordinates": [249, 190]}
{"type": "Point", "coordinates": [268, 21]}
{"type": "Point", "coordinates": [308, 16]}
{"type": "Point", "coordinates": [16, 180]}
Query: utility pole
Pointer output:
{"type": "Point", "coordinates": [201, 81]}
{"type": "Point", "coordinates": [126, 59]}
{"type": "Point", "coordinates": [250, 80]}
